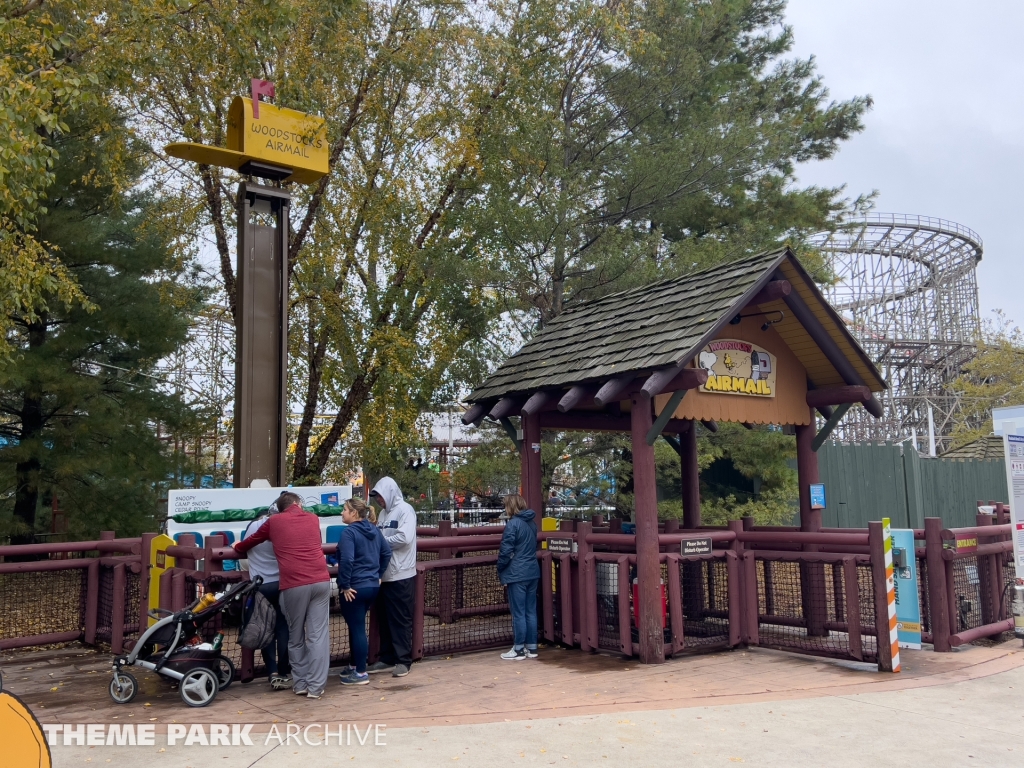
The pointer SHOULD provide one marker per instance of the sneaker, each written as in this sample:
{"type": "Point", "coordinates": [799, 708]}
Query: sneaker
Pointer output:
{"type": "Point", "coordinates": [513, 655]}
{"type": "Point", "coordinates": [280, 682]}
{"type": "Point", "coordinates": [311, 695]}
{"type": "Point", "coordinates": [354, 678]}
{"type": "Point", "coordinates": [531, 653]}
{"type": "Point", "coordinates": [379, 666]}
{"type": "Point", "coordinates": [401, 670]}
{"type": "Point", "coordinates": [348, 669]}
{"type": "Point", "coordinates": [300, 690]}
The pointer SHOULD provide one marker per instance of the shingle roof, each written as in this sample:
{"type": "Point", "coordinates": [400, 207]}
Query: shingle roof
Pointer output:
{"type": "Point", "coordinates": [640, 329]}
{"type": "Point", "coordinates": [988, 447]}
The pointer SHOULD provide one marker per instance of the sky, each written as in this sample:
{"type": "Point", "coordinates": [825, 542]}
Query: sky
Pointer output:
{"type": "Point", "coordinates": [946, 135]}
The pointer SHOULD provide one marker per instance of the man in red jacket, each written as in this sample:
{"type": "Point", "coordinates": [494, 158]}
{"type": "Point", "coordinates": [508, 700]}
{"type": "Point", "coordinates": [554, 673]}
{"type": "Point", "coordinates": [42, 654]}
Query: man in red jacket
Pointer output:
{"type": "Point", "coordinates": [305, 585]}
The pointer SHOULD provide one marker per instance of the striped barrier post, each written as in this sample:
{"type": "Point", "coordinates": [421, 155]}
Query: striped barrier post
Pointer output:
{"type": "Point", "coordinates": [890, 594]}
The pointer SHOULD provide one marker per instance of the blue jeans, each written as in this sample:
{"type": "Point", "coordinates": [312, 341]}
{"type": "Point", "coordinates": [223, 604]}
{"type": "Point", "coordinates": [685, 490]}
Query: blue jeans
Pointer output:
{"type": "Point", "coordinates": [522, 602]}
{"type": "Point", "coordinates": [354, 613]}
{"type": "Point", "coordinates": [275, 655]}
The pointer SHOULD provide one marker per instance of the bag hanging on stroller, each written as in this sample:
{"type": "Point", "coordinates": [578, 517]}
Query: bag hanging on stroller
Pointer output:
{"type": "Point", "coordinates": [258, 630]}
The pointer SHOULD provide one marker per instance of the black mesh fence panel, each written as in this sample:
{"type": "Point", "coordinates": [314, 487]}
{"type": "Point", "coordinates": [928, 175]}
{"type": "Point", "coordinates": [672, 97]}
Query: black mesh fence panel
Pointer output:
{"type": "Point", "coordinates": [42, 603]}
{"type": "Point", "coordinates": [705, 596]}
{"type": "Point", "coordinates": [803, 607]}
{"type": "Point", "coordinates": [968, 594]}
{"type": "Point", "coordinates": [465, 608]}
{"type": "Point", "coordinates": [608, 638]}
{"type": "Point", "coordinates": [922, 595]}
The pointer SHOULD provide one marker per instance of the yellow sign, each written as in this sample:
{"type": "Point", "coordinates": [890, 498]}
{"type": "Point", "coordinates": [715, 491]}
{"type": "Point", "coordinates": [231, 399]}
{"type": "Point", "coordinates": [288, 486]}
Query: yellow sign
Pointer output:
{"type": "Point", "coordinates": [738, 367]}
{"type": "Point", "coordinates": [159, 561]}
{"type": "Point", "coordinates": [281, 137]}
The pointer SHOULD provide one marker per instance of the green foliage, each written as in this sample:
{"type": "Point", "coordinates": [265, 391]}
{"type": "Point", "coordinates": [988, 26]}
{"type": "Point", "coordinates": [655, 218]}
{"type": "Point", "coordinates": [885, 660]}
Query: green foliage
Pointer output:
{"type": "Point", "coordinates": [993, 379]}
{"type": "Point", "coordinates": [78, 401]}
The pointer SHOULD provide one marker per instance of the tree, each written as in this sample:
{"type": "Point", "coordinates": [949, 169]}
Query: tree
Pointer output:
{"type": "Point", "coordinates": [643, 140]}
{"type": "Point", "coordinates": [79, 406]}
{"type": "Point", "coordinates": [993, 379]}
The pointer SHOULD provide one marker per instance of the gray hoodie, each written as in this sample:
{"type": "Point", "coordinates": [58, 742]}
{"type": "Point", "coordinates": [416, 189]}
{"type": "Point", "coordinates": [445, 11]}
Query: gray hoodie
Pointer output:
{"type": "Point", "coordinates": [398, 525]}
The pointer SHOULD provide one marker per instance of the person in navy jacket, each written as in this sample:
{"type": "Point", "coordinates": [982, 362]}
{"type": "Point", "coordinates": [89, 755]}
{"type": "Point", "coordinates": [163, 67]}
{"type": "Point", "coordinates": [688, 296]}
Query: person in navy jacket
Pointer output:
{"type": "Point", "coordinates": [519, 571]}
{"type": "Point", "coordinates": [363, 557]}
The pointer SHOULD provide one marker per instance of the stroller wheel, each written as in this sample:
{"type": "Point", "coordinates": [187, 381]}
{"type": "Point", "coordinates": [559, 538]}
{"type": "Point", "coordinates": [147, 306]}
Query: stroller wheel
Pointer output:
{"type": "Point", "coordinates": [225, 672]}
{"type": "Point", "coordinates": [123, 687]}
{"type": "Point", "coordinates": [198, 687]}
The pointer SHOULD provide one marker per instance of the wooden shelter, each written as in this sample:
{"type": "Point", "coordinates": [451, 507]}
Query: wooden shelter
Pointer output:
{"type": "Point", "coordinates": [752, 341]}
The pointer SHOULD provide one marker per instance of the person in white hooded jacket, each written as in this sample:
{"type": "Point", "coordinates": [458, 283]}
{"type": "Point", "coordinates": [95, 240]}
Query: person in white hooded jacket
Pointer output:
{"type": "Point", "coordinates": [397, 523]}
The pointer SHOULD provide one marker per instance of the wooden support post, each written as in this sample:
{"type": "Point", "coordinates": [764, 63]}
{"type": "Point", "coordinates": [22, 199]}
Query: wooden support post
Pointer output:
{"type": "Point", "coordinates": [831, 424]}
{"type": "Point", "coordinates": [690, 473]}
{"type": "Point", "coordinates": [530, 464]}
{"type": "Point", "coordinates": [738, 631]}
{"type": "Point", "coordinates": [651, 634]}
{"type": "Point", "coordinates": [582, 583]}
{"type": "Point", "coordinates": [446, 576]}
{"type": "Point", "coordinates": [850, 580]}
{"type": "Point", "coordinates": [144, 578]}
{"type": "Point", "coordinates": [92, 601]}
{"type": "Point", "coordinates": [812, 575]}
{"type": "Point", "coordinates": [938, 602]}
{"type": "Point", "coordinates": [117, 611]}
{"type": "Point", "coordinates": [417, 615]}
{"type": "Point", "coordinates": [547, 613]}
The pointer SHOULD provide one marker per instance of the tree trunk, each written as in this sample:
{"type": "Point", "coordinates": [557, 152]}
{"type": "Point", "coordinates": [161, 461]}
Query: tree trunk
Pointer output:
{"type": "Point", "coordinates": [27, 471]}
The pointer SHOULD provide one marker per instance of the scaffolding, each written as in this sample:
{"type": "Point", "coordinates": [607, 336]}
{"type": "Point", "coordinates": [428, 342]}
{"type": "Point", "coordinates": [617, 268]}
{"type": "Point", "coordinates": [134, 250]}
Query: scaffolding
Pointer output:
{"type": "Point", "coordinates": [907, 288]}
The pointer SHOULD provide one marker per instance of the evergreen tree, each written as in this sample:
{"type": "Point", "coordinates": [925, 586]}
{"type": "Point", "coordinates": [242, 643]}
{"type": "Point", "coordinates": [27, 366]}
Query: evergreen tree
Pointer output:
{"type": "Point", "coordinates": [79, 403]}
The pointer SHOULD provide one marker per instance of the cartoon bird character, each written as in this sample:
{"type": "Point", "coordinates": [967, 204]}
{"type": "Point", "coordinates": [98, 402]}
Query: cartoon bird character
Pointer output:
{"type": "Point", "coordinates": [24, 743]}
{"type": "Point", "coordinates": [729, 362]}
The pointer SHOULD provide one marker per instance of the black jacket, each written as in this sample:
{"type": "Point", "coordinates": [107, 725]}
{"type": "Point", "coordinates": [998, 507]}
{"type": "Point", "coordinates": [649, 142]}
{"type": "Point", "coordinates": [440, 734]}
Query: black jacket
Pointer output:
{"type": "Point", "coordinates": [517, 556]}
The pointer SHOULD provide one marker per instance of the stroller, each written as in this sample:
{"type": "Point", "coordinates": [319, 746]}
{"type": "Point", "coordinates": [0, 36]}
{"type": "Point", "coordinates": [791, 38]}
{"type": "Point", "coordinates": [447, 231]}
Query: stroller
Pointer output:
{"type": "Point", "coordinates": [172, 647]}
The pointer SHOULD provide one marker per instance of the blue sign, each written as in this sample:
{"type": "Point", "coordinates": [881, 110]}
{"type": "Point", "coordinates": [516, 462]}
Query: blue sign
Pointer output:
{"type": "Point", "coordinates": [817, 496]}
{"type": "Point", "coordinates": [330, 499]}
{"type": "Point", "coordinates": [908, 602]}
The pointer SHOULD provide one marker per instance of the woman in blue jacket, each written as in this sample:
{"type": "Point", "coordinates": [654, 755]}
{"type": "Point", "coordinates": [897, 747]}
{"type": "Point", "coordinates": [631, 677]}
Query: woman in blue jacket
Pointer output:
{"type": "Point", "coordinates": [363, 556]}
{"type": "Point", "coordinates": [519, 571]}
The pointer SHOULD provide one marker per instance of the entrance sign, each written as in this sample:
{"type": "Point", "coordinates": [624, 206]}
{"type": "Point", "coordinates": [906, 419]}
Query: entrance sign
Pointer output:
{"type": "Point", "coordinates": [285, 138]}
{"type": "Point", "coordinates": [701, 546]}
{"type": "Point", "coordinates": [738, 367]}
{"type": "Point", "coordinates": [907, 597]}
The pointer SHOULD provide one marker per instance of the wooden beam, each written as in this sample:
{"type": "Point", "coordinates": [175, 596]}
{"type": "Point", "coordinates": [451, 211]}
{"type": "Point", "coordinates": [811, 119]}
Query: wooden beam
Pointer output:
{"type": "Point", "coordinates": [666, 414]}
{"type": "Point", "coordinates": [832, 423]}
{"type": "Point", "coordinates": [825, 411]}
{"type": "Point", "coordinates": [507, 406]}
{"type": "Point", "coordinates": [674, 442]}
{"type": "Point", "coordinates": [775, 290]}
{"type": "Point", "coordinates": [537, 401]}
{"type": "Point", "coordinates": [598, 422]}
{"type": "Point", "coordinates": [512, 432]}
{"type": "Point", "coordinates": [838, 396]}
{"type": "Point", "coordinates": [673, 379]}
{"type": "Point", "coordinates": [579, 394]}
{"type": "Point", "coordinates": [645, 504]}
{"type": "Point", "coordinates": [474, 412]}
{"type": "Point", "coordinates": [710, 425]}
{"type": "Point", "coordinates": [829, 347]}
{"type": "Point", "coordinates": [612, 389]}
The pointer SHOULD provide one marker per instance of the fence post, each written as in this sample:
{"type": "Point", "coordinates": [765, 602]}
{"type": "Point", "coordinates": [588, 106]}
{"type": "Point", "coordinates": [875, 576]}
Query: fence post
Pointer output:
{"type": "Point", "coordinates": [938, 601]}
{"type": "Point", "coordinates": [212, 564]}
{"type": "Point", "coordinates": [186, 540]}
{"type": "Point", "coordinates": [737, 585]}
{"type": "Point", "coordinates": [625, 619]}
{"type": "Point", "coordinates": [144, 578]}
{"type": "Point", "coordinates": [852, 584]}
{"type": "Point", "coordinates": [445, 577]}
{"type": "Point", "coordinates": [417, 614]}
{"type": "Point", "coordinates": [177, 590]}
{"type": "Point", "coordinates": [546, 591]}
{"type": "Point", "coordinates": [876, 546]}
{"type": "Point", "coordinates": [565, 592]}
{"type": "Point", "coordinates": [581, 584]}
{"type": "Point", "coordinates": [675, 601]}
{"type": "Point", "coordinates": [995, 572]}
{"type": "Point", "coordinates": [117, 611]}
{"type": "Point", "coordinates": [92, 600]}
{"type": "Point", "coordinates": [750, 601]}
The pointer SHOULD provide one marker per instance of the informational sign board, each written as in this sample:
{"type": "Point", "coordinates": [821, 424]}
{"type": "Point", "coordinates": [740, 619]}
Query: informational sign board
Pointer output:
{"type": "Point", "coordinates": [817, 495]}
{"type": "Point", "coordinates": [1014, 447]}
{"type": "Point", "coordinates": [193, 499]}
{"type": "Point", "coordinates": [1009, 422]}
{"type": "Point", "coordinates": [701, 546]}
{"type": "Point", "coordinates": [907, 597]}
{"type": "Point", "coordinates": [737, 367]}
{"type": "Point", "coordinates": [962, 544]}
{"type": "Point", "coordinates": [561, 546]}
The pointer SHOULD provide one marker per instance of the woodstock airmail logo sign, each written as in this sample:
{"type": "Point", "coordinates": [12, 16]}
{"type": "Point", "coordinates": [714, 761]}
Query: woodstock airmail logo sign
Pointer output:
{"type": "Point", "coordinates": [265, 133]}
{"type": "Point", "coordinates": [738, 367]}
